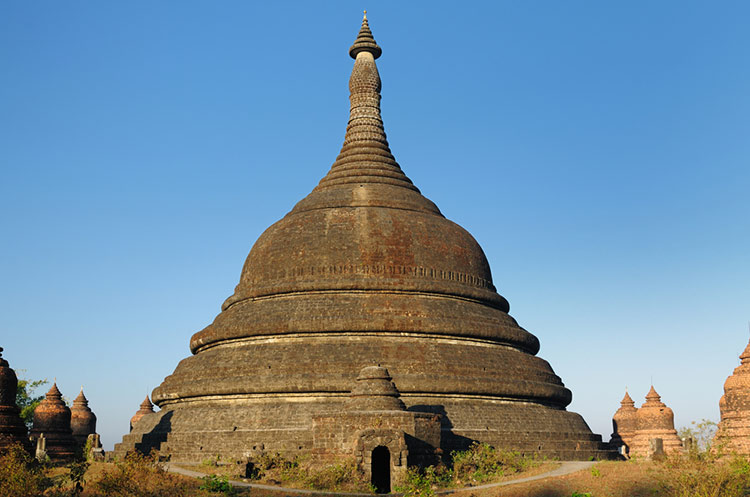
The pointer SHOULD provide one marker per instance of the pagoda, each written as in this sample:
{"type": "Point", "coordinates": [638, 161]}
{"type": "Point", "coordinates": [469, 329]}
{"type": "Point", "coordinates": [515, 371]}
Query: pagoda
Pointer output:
{"type": "Point", "coordinates": [12, 428]}
{"type": "Point", "coordinates": [82, 419]}
{"type": "Point", "coordinates": [733, 433]}
{"type": "Point", "coordinates": [52, 422]}
{"type": "Point", "coordinates": [624, 425]}
{"type": "Point", "coordinates": [654, 420]}
{"type": "Point", "coordinates": [363, 271]}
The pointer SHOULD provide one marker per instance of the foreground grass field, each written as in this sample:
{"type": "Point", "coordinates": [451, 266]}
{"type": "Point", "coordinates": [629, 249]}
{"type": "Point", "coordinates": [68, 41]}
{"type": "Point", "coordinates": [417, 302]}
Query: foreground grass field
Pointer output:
{"type": "Point", "coordinates": [699, 475]}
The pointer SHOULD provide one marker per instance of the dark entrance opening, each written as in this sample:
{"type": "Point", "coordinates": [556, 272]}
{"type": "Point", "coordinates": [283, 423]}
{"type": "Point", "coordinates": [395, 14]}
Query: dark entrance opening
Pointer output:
{"type": "Point", "coordinates": [381, 469]}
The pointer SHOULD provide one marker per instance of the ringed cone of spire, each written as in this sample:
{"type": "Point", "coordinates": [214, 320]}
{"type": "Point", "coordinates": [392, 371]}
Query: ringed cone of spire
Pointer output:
{"type": "Point", "coordinates": [12, 427]}
{"type": "Point", "coordinates": [365, 42]}
{"type": "Point", "coordinates": [363, 270]}
{"type": "Point", "coordinates": [145, 408]}
{"type": "Point", "coordinates": [733, 432]}
{"type": "Point", "coordinates": [374, 391]}
{"type": "Point", "coordinates": [52, 418]}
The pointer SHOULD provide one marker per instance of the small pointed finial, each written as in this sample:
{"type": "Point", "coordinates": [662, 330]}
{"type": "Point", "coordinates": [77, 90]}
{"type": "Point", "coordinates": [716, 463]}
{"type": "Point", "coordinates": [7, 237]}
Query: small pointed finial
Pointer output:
{"type": "Point", "coordinates": [365, 42]}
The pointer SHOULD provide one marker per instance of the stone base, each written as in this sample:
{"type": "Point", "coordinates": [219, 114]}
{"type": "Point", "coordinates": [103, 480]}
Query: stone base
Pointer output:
{"type": "Point", "coordinates": [641, 446]}
{"type": "Point", "coordinates": [238, 428]}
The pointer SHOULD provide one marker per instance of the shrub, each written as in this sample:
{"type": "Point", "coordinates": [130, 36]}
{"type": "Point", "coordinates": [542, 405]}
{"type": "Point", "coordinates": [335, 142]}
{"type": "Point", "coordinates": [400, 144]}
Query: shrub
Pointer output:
{"type": "Point", "coordinates": [217, 484]}
{"type": "Point", "coordinates": [424, 482]}
{"type": "Point", "coordinates": [20, 474]}
{"type": "Point", "coordinates": [334, 476]}
{"type": "Point", "coordinates": [705, 477]}
{"type": "Point", "coordinates": [415, 484]}
{"type": "Point", "coordinates": [482, 463]}
{"type": "Point", "coordinates": [703, 433]}
{"type": "Point", "coordinates": [140, 476]}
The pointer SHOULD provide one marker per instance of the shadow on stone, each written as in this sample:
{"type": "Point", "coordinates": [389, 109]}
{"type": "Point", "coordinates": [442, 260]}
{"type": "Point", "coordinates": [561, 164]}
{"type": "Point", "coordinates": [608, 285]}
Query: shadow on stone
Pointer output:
{"type": "Point", "coordinates": [154, 438]}
{"type": "Point", "coordinates": [449, 441]}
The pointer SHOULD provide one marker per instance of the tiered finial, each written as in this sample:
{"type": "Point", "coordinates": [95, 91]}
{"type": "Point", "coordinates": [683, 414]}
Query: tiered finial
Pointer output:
{"type": "Point", "coordinates": [652, 396]}
{"type": "Point", "coordinates": [745, 356]}
{"type": "Point", "coordinates": [365, 42]}
{"type": "Point", "coordinates": [365, 156]}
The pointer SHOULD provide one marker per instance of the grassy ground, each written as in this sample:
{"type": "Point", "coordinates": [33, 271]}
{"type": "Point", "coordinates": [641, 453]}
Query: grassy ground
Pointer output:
{"type": "Point", "coordinates": [605, 479]}
{"type": "Point", "coordinates": [699, 476]}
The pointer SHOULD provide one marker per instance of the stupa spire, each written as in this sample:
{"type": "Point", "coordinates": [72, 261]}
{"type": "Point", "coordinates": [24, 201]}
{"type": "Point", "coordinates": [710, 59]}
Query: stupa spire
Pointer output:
{"type": "Point", "coordinates": [652, 397]}
{"type": "Point", "coordinates": [365, 41]}
{"type": "Point", "coordinates": [365, 156]}
{"type": "Point", "coordinates": [745, 356]}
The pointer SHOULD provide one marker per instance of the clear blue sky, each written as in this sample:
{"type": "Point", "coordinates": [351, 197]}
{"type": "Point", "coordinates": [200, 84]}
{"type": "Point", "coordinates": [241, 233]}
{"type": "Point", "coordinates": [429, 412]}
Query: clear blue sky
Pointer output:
{"type": "Point", "coordinates": [598, 151]}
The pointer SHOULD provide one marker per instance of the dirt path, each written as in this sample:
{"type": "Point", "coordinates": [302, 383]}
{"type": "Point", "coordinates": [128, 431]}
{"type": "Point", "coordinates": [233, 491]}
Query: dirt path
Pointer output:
{"type": "Point", "coordinates": [565, 468]}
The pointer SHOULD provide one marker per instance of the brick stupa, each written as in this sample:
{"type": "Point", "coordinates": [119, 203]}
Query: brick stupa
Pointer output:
{"type": "Point", "coordinates": [145, 408]}
{"type": "Point", "coordinates": [654, 420]}
{"type": "Point", "coordinates": [624, 425]}
{"type": "Point", "coordinates": [364, 270]}
{"type": "Point", "coordinates": [52, 418]}
{"type": "Point", "coordinates": [82, 419]}
{"type": "Point", "coordinates": [12, 428]}
{"type": "Point", "coordinates": [733, 433]}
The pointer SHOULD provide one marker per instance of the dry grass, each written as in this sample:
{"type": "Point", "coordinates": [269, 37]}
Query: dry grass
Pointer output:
{"type": "Point", "coordinates": [272, 469]}
{"type": "Point", "coordinates": [675, 477]}
{"type": "Point", "coordinates": [705, 475]}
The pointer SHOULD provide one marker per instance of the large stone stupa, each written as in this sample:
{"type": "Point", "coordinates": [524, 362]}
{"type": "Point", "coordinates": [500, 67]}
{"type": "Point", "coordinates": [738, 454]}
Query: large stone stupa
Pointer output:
{"type": "Point", "coordinates": [733, 433]}
{"type": "Point", "coordinates": [363, 271]}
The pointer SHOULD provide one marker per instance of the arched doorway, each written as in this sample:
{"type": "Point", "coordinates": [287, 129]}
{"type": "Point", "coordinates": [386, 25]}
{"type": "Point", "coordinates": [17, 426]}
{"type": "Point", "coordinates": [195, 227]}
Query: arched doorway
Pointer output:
{"type": "Point", "coordinates": [381, 469]}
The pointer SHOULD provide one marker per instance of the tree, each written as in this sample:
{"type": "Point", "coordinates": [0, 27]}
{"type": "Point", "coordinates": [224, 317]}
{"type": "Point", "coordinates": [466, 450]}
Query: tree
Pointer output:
{"type": "Point", "coordinates": [26, 401]}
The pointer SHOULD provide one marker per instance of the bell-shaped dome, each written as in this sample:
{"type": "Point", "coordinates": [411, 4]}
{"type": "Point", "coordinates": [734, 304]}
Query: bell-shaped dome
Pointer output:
{"type": "Point", "coordinates": [12, 427]}
{"type": "Point", "coordinates": [654, 420]}
{"type": "Point", "coordinates": [82, 419]}
{"type": "Point", "coordinates": [625, 421]}
{"type": "Point", "coordinates": [365, 270]}
{"type": "Point", "coordinates": [52, 418]}
{"type": "Point", "coordinates": [654, 413]}
{"type": "Point", "coordinates": [734, 406]}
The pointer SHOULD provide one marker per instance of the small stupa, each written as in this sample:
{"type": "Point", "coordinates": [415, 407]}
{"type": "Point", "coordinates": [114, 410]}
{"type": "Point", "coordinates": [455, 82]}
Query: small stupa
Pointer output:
{"type": "Point", "coordinates": [375, 426]}
{"type": "Point", "coordinates": [146, 407]}
{"type": "Point", "coordinates": [82, 419]}
{"type": "Point", "coordinates": [624, 425]}
{"type": "Point", "coordinates": [374, 391]}
{"type": "Point", "coordinates": [52, 418]}
{"type": "Point", "coordinates": [654, 420]}
{"type": "Point", "coordinates": [12, 427]}
{"type": "Point", "coordinates": [733, 432]}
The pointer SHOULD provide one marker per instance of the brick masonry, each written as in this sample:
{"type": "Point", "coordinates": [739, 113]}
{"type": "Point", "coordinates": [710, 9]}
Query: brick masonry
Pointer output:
{"type": "Point", "coordinates": [363, 271]}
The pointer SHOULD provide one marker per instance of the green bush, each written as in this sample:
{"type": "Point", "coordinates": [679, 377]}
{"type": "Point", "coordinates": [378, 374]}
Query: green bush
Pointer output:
{"type": "Point", "coordinates": [341, 475]}
{"type": "Point", "coordinates": [217, 484]}
{"type": "Point", "coordinates": [423, 482]}
{"type": "Point", "coordinates": [20, 474]}
{"type": "Point", "coordinates": [483, 463]}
